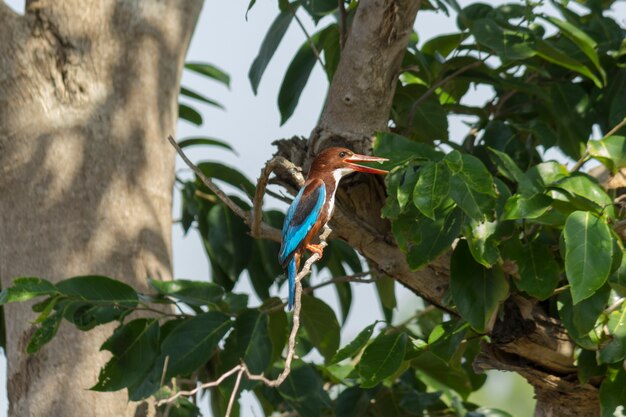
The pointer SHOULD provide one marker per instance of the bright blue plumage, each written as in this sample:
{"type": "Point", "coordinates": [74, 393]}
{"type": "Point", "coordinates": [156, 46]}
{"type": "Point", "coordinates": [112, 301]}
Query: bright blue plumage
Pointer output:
{"type": "Point", "coordinates": [292, 271]}
{"type": "Point", "coordinates": [301, 217]}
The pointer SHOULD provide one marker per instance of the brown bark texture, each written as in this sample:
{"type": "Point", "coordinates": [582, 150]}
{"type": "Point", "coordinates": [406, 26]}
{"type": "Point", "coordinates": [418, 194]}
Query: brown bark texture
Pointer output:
{"type": "Point", "coordinates": [524, 339]}
{"type": "Point", "coordinates": [88, 95]}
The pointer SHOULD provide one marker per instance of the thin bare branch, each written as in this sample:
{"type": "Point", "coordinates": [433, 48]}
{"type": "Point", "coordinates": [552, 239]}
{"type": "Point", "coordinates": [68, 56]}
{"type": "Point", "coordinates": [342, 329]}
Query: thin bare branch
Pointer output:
{"type": "Point", "coordinates": [344, 278]}
{"type": "Point", "coordinates": [308, 37]}
{"type": "Point", "coordinates": [616, 128]}
{"type": "Point", "coordinates": [204, 386]}
{"type": "Point", "coordinates": [231, 401]}
{"type": "Point", "coordinates": [261, 186]}
{"type": "Point", "coordinates": [583, 159]}
{"type": "Point", "coordinates": [291, 346]}
{"type": "Point", "coordinates": [616, 305]}
{"type": "Point", "coordinates": [265, 231]}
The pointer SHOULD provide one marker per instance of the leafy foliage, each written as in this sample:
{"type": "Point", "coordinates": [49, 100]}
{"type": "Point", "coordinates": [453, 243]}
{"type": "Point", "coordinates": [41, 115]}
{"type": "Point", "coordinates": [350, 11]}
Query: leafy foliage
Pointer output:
{"type": "Point", "coordinates": [516, 226]}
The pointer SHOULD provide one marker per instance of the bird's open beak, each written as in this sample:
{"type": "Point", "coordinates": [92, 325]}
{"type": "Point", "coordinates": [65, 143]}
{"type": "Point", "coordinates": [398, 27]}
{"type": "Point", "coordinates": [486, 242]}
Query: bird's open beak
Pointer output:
{"type": "Point", "coordinates": [350, 161]}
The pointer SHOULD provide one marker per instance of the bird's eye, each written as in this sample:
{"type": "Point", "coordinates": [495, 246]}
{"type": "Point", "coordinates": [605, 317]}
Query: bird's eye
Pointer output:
{"type": "Point", "coordinates": [342, 154]}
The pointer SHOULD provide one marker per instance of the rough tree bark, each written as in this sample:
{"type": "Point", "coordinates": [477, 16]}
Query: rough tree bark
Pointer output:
{"type": "Point", "coordinates": [526, 340]}
{"type": "Point", "coordinates": [88, 93]}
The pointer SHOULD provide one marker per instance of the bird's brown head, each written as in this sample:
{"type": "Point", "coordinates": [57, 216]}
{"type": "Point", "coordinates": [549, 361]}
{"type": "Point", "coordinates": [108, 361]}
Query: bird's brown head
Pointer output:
{"type": "Point", "coordinates": [342, 161]}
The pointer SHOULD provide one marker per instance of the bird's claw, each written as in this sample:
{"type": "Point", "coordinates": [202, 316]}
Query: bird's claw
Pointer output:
{"type": "Point", "coordinates": [316, 249]}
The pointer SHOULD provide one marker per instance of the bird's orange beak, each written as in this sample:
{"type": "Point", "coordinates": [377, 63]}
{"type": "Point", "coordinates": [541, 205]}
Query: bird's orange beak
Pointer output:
{"type": "Point", "coordinates": [350, 161]}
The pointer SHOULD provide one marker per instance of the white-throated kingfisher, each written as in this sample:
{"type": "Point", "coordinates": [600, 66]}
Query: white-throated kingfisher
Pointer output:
{"type": "Point", "coordinates": [313, 206]}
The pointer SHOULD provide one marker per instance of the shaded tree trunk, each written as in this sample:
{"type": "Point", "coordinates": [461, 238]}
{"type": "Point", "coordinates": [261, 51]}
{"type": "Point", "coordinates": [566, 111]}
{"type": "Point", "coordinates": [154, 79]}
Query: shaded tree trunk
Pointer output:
{"type": "Point", "coordinates": [526, 340]}
{"type": "Point", "coordinates": [88, 93]}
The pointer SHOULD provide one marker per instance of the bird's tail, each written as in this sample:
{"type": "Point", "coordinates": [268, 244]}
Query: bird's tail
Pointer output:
{"type": "Point", "coordinates": [292, 271]}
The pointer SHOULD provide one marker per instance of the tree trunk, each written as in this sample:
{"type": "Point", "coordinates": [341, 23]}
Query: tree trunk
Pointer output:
{"type": "Point", "coordinates": [358, 106]}
{"type": "Point", "coordinates": [88, 93]}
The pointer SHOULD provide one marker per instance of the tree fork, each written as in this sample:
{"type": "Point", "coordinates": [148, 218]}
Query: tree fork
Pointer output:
{"type": "Point", "coordinates": [358, 105]}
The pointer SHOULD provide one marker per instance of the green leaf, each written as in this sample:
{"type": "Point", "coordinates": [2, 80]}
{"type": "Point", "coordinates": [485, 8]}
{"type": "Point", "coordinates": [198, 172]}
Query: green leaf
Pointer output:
{"type": "Point", "coordinates": [547, 173]}
{"type": "Point", "coordinates": [508, 45]}
{"type": "Point", "coordinates": [192, 343]}
{"type": "Point", "coordinates": [588, 366]}
{"type": "Point", "coordinates": [228, 242]}
{"type": "Point", "coordinates": [613, 392]}
{"type": "Point", "coordinates": [249, 342]}
{"type": "Point", "coordinates": [354, 347]}
{"type": "Point", "coordinates": [330, 44]}
{"type": "Point", "coordinates": [392, 209]}
{"type": "Point", "coordinates": [407, 185]}
{"type": "Point", "coordinates": [270, 43]}
{"type": "Point", "coordinates": [250, 5]}
{"type": "Point", "coordinates": [447, 338]}
{"type": "Point", "coordinates": [472, 187]}
{"type": "Point", "coordinates": [189, 114]}
{"type": "Point", "coordinates": [351, 402]}
{"type": "Point", "coordinates": [318, 8]}
{"type": "Point", "coordinates": [263, 268]}
{"type": "Point", "coordinates": [190, 292]}
{"type": "Point", "coordinates": [615, 350]}
{"type": "Point", "coordinates": [210, 71]}
{"type": "Point", "coordinates": [230, 175]}
{"type": "Point", "coordinates": [430, 119]}
{"type": "Point", "coordinates": [476, 290]}
{"type": "Point", "coordinates": [481, 240]}
{"type": "Point", "coordinates": [475, 205]}
{"type": "Point", "coordinates": [432, 188]}
{"type": "Point", "coordinates": [382, 358]}
{"type": "Point", "coordinates": [538, 271]}
{"type": "Point", "coordinates": [618, 278]}
{"type": "Point", "coordinates": [197, 96]}
{"type": "Point", "coordinates": [582, 40]}
{"type": "Point", "coordinates": [45, 332]}
{"type": "Point", "coordinates": [321, 325]}
{"type": "Point", "coordinates": [386, 289]}
{"type": "Point", "coordinates": [304, 391]}
{"type": "Point", "coordinates": [94, 300]}
{"type": "Point", "coordinates": [135, 347]}
{"type": "Point", "coordinates": [588, 253]}
{"type": "Point", "coordinates": [444, 44]}
{"type": "Point", "coordinates": [400, 149]}
{"type": "Point", "coordinates": [520, 207]}
{"type": "Point", "coordinates": [472, 171]}
{"type": "Point", "coordinates": [196, 141]}
{"type": "Point", "coordinates": [423, 239]}
{"type": "Point", "coordinates": [23, 289]}
{"type": "Point", "coordinates": [611, 151]}
{"type": "Point", "coordinates": [551, 53]}
{"type": "Point", "coordinates": [584, 186]}
{"type": "Point", "coordinates": [277, 328]}
{"type": "Point", "coordinates": [95, 288]}
{"type": "Point", "coordinates": [296, 78]}
{"type": "Point", "coordinates": [441, 371]}
{"type": "Point", "coordinates": [581, 318]}
{"type": "Point", "coordinates": [510, 170]}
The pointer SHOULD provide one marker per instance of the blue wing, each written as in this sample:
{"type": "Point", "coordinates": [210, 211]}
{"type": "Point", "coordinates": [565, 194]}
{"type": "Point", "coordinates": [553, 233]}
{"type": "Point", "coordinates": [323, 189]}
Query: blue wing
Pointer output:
{"type": "Point", "coordinates": [301, 216]}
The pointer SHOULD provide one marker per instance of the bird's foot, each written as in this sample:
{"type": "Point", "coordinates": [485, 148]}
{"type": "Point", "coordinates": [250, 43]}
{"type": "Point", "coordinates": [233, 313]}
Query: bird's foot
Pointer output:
{"type": "Point", "coordinates": [316, 249]}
